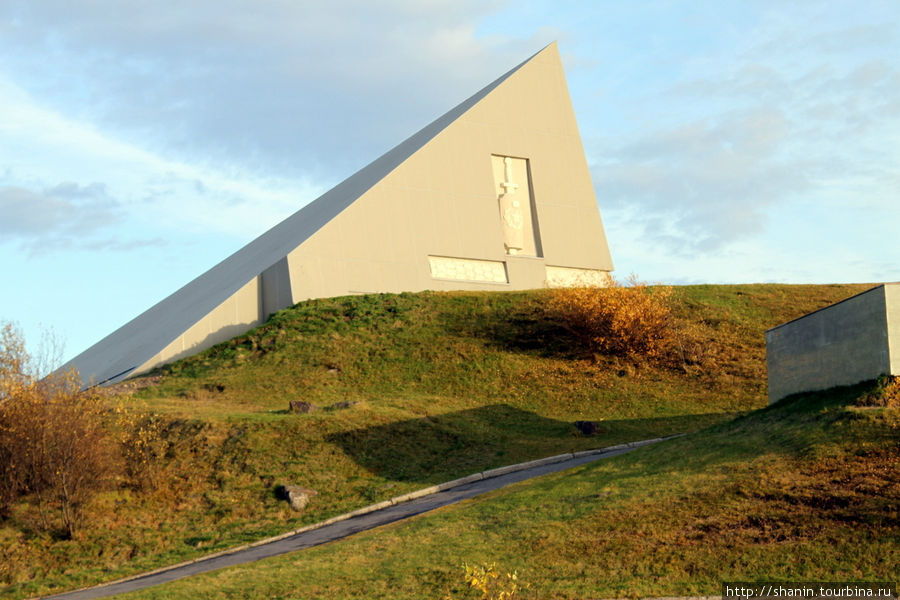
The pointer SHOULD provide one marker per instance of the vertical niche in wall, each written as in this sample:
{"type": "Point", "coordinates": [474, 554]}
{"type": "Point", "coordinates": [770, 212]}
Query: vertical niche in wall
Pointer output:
{"type": "Point", "coordinates": [515, 202]}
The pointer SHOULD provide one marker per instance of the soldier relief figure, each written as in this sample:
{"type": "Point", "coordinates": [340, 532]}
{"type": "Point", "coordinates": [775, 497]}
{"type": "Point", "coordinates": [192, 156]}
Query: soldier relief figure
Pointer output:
{"type": "Point", "coordinates": [511, 211]}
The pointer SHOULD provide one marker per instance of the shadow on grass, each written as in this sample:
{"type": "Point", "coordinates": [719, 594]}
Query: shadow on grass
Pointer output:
{"type": "Point", "coordinates": [433, 449]}
{"type": "Point", "coordinates": [517, 323]}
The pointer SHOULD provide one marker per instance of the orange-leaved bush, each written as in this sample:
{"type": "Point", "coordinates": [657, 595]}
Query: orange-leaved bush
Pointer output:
{"type": "Point", "coordinates": [633, 320]}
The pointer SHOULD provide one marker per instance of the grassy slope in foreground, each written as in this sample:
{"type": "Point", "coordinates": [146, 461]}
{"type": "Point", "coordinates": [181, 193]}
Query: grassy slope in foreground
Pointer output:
{"type": "Point", "coordinates": [807, 490]}
{"type": "Point", "coordinates": [446, 385]}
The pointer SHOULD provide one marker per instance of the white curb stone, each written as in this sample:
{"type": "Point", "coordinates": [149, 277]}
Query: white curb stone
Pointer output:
{"type": "Point", "coordinates": [458, 482]}
{"type": "Point", "coordinates": [416, 494]}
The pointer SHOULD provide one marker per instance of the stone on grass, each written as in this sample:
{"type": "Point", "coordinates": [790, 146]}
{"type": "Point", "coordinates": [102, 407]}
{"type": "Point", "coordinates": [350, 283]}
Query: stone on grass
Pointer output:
{"type": "Point", "coordinates": [299, 406]}
{"type": "Point", "coordinates": [298, 497]}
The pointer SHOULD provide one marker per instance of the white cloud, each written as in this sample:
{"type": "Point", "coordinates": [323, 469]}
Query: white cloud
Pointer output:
{"type": "Point", "coordinates": [275, 87]}
{"type": "Point", "coordinates": [703, 185]}
{"type": "Point", "coordinates": [792, 115]}
{"type": "Point", "coordinates": [65, 215]}
{"type": "Point", "coordinates": [41, 146]}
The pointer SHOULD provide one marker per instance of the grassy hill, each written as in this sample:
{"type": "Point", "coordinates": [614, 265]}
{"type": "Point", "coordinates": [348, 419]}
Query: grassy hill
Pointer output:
{"type": "Point", "coordinates": [412, 389]}
{"type": "Point", "coordinates": [806, 490]}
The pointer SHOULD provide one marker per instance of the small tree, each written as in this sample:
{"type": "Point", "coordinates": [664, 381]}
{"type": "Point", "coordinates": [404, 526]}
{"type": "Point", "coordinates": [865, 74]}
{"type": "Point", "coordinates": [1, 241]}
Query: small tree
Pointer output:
{"type": "Point", "coordinates": [52, 440]}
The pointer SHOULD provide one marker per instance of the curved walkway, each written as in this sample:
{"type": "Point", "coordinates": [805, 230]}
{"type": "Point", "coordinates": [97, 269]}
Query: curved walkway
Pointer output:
{"type": "Point", "coordinates": [389, 511]}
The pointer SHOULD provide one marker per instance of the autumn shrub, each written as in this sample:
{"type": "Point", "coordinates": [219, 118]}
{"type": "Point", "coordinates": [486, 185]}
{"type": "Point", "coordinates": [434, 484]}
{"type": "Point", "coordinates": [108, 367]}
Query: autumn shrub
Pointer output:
{"type": "Point", "coordinates": [631, 321]}
{"type": "Point", "coordinates": [892, 393]}
{"type": "Point", "coordinates": [143, 447]}
{"type": "Point", "coordinates": [15, 362]}
{"type": "Point", "coordinates": [53, 443]}
{"type": "Point", "coordinates": [886, 393]}
{"type": "Point", "coordinates": [491, 583]}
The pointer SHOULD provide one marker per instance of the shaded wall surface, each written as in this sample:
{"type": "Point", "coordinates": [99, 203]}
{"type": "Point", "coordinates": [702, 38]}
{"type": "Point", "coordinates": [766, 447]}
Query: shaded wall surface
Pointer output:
{"type": "Point", "coordinates": [436, 212]}
{"type": "Point", "coordinates": [854, 340]}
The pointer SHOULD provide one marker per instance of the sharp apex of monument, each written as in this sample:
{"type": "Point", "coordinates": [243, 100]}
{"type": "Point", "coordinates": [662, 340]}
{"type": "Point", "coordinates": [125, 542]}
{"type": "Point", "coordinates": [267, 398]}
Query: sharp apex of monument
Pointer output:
{"type": "Point", "coordinates": [493, 195]}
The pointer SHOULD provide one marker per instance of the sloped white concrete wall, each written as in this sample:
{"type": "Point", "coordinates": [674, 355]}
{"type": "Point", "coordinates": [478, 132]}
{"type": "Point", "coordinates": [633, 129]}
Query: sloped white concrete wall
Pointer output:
{"type": "Point", "coordinates": [234, 316]}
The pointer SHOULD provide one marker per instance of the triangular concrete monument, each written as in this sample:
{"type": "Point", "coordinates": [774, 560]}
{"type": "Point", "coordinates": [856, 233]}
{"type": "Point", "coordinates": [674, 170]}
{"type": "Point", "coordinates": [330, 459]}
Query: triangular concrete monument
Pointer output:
{"type": "Point", "coordinates": [494, 195]}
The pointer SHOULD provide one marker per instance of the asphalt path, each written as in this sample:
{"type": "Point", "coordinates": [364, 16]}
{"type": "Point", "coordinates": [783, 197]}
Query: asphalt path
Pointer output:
{"type": "Point", "coordinates": [333, 531]}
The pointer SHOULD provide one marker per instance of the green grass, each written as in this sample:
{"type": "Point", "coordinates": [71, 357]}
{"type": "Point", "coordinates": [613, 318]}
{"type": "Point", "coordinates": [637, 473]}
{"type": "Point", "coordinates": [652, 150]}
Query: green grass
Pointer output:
{"type": "Point", "coordinates": [808, 490]}
{"type": "Point", "coordinates": [445, 384]}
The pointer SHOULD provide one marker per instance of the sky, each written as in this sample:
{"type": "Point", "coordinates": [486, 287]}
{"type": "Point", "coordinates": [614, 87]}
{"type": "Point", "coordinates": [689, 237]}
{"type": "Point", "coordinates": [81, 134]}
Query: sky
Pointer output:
{"type": "Point", "coordinates": [141, 143]}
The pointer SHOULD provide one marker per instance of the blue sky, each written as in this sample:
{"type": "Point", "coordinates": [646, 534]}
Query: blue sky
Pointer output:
{"type": "Point", "coordinates": [728, 142]}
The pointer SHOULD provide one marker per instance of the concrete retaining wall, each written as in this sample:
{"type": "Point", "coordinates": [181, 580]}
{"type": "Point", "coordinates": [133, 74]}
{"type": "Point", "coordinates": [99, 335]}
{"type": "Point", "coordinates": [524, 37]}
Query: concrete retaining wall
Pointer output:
{"type": "Point", "coordinates": [854, 340]}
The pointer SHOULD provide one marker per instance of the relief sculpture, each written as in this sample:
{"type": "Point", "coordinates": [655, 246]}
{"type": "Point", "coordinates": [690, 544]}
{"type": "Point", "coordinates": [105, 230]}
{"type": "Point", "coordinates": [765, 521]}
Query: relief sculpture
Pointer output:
{"type": "Point", "coordinates": [511, 211]}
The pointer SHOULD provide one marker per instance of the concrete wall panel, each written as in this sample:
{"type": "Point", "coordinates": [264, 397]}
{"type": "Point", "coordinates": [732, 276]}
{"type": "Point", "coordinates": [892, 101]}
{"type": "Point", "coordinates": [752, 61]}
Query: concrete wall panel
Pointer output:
{"type": "Point", "coordinates": [842, 344]}
{"type": "Point", "coordinates": [276, 288]}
